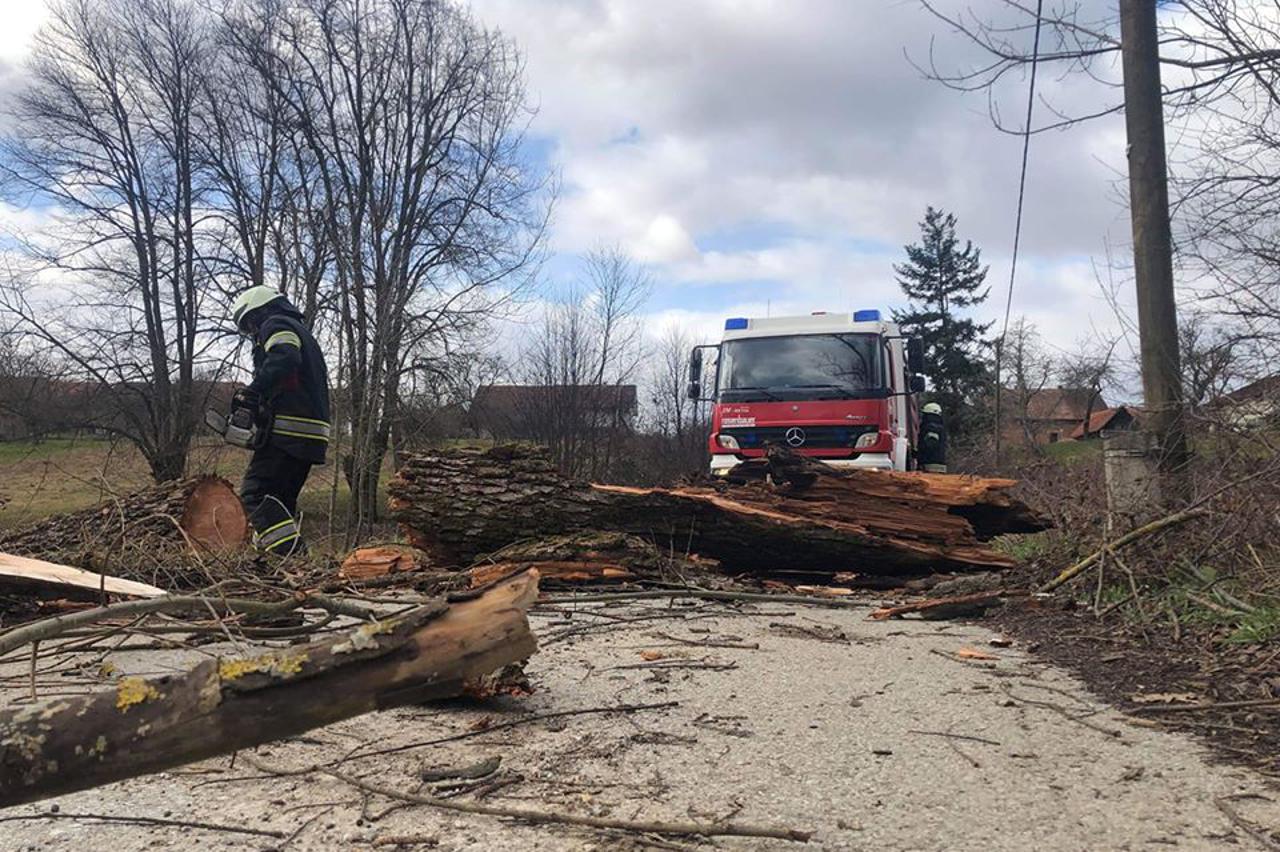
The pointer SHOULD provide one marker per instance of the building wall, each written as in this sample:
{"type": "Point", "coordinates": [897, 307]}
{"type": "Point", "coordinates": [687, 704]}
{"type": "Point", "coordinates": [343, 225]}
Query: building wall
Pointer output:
{"type": "Point", "coordinates": [1042, 432]}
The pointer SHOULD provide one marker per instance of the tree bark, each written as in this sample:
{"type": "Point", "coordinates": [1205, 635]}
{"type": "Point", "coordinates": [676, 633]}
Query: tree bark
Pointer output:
{"type": "Point", "coordinates": [222, 705]}
{"type": "Point", "coordinates": [201, 511]}
{"type": "Point", "coordinates": [461, 504]}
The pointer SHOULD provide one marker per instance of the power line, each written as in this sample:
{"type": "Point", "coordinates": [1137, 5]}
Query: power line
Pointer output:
{"type": "Point", "coordinates": [1017, 222]}
{"type": "Point", "coordinates": [1022, 178]}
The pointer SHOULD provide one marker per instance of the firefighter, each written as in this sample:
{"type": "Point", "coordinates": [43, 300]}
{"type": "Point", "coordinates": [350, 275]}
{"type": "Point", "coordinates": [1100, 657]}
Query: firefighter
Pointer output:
{"type": "Point", "coordinates": [289, 401]}
{"type": "Point", "coordinates": [933, 439]}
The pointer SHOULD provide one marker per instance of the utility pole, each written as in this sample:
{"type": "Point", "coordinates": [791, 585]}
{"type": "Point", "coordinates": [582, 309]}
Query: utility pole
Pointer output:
{"type": "Point", "coordinates": [1152, 241]}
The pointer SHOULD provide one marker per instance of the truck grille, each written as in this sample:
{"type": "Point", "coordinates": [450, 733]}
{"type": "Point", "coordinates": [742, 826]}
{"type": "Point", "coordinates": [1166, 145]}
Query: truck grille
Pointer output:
{"type": "Point", "coordinates": [815, 437]}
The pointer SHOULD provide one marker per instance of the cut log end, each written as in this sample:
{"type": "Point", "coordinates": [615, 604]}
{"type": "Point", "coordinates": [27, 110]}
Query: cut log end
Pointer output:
{"type": "Point", "coordinates": [200, 511]}
{"type": "Point", "coordinates": [214, 517]}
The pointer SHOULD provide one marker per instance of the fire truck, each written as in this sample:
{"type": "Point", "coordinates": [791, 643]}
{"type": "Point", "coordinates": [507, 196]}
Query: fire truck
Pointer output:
{"type": "Point", "coordinates": [840, 387]}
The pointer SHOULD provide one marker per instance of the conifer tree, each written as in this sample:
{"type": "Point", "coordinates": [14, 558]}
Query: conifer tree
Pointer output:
{"type": "Point", "coordinates": [940, 279]}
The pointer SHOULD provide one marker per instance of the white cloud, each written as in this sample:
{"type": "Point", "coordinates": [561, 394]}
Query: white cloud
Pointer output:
{"type": "Point", "coordinates": [727, 142]}
{"type": "Point", "coordinates": [679, 126]}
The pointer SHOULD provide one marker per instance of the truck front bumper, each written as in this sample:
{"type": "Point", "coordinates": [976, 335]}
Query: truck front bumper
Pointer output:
{"type": "Point", "coordinates": [721, 464]}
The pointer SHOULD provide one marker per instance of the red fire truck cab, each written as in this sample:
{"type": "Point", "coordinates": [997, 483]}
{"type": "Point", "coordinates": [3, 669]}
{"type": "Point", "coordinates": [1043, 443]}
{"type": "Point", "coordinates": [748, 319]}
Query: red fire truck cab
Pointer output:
{"type": "Point", "coordinates": [839, 387]}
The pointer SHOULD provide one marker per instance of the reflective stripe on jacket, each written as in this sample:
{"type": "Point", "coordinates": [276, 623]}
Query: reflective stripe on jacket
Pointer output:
{"type": "Point", "coordinates": [290, 376]}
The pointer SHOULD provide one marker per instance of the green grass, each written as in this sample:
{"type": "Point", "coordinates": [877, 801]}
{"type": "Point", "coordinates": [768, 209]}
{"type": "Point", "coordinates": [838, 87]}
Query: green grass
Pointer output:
{"type": "Point", "coordinates": [1261, 625]}
{"type": "Point", "coordinates": [1073, 451]}
{"type": "Point", "coordinates": [1025, 548]}
{"type": "Point", "coordinates": [65, 475]}
{"type": "Point", "coordinates": [14, 452]}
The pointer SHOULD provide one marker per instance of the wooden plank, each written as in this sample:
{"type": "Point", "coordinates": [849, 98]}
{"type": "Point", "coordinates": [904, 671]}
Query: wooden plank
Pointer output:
{"type": "Point", "coordinates": [25, 570]}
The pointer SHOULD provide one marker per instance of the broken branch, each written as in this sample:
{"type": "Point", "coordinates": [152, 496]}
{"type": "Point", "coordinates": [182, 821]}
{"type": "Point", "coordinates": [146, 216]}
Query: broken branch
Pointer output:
{"type": "Point", "coordinates": [223, 705]}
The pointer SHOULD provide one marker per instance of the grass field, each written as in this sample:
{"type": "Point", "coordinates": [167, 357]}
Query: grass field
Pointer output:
{"type": "Point", "coordinates": [65, 475]}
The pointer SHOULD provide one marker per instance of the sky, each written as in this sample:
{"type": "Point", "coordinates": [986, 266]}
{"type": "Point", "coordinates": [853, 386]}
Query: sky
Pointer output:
{"type": "Point", "coordinates": [774, 156]}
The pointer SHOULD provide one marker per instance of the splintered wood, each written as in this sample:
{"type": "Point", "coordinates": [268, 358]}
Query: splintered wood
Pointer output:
{"type": "Point", "coordinates": [777, 514]}
{"type": "Point", "coordinates": [369, 563]}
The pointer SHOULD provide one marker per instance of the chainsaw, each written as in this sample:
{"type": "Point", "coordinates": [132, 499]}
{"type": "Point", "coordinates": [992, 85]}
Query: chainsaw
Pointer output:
{"type": "Point", "coordinates": [240, 427]}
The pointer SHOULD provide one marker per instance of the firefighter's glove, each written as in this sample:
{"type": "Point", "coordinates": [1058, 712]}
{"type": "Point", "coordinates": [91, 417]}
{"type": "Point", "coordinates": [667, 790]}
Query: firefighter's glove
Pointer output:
{"type": "Point", "coordinates": [247, 400]}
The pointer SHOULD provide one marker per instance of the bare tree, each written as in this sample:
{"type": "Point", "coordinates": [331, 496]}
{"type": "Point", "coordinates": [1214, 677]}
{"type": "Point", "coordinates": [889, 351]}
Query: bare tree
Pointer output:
{"type": "Point", "coordinates": [585, 352]}
{"type": "Point", "coordinates": [1032, 369]}
{"type": "Point", "coordinates": [269, 207]}
{"type": "Point", "coordinates": [103, 136]}
{"type": "Point", "coordinates": [411, 118]}
{"type": "Point", "coordinates": [1221, 65]}
{"type": "Point", "coordinates": [682, 423]}
{"type": "Point", "coordinates": [1212, 51]}
{"type": "Point", "coordinates": [1092, 367]}
{"type": "Point", "coordinates": [1212, 359]}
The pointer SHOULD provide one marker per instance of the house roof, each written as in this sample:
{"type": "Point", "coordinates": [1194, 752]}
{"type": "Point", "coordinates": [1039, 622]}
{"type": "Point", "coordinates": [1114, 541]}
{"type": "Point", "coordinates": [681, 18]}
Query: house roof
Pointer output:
{"type": "Point", "coordinates": [1061, 403]}
{"type": "Point", "coordinates": [1264, 388]}
{"type": "Point", "coordinates": [1100, 420]}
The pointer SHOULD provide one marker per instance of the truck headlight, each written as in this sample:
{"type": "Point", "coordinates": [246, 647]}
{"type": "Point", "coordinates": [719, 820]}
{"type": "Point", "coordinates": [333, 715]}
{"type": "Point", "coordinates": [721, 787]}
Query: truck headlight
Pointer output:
{"type": "Point", "coordinates": [867, 439]}
{"type": "Point", "coordinates": [727, 442]}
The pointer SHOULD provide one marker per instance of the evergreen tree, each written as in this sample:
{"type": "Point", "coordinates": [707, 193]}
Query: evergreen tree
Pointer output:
{"type": "Point", "coordinates": [939, 278]}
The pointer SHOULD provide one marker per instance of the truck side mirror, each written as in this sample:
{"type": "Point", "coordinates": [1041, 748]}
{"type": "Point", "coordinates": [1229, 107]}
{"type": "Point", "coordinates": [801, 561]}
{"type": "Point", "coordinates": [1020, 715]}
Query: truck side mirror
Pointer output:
{"type": "Point", "coordinates": [695, 374]}
{"type": "Point", "coordinates": [917, 383]}
{"type": "Point", "coordinates": [915, 356]}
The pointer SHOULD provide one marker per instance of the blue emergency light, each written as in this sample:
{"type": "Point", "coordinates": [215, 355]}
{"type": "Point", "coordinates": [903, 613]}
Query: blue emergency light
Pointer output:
{"type": "Point", "coordinates": [869, 315]}
{"type": "Point", "coordinates": [735, 324]}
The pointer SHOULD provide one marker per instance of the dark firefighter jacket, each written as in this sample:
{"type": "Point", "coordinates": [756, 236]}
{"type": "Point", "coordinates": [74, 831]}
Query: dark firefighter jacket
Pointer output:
{"type": "Point", "coordinates": [289, 376]}
{"type": "Point", "coordinates": [933, 440]}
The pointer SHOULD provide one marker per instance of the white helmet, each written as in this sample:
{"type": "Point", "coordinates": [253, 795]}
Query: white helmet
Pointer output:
{"type": "Point", "coordinates": [932, 408]}
{"type": "Point", "coordinates": [251, 300]}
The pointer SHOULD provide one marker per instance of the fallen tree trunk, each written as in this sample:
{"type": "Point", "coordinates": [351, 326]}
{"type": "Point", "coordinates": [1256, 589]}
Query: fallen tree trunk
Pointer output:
{"type": "Point", "coordinates": [225, 704]}
{"type": "Point", "coordinates": [201, 511]}
{"type": "Point", "coordinates": [461, 504]}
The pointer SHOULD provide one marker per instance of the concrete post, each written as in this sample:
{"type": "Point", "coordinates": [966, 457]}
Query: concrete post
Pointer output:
{"type": "Point", "coordinates": [1130, 461]}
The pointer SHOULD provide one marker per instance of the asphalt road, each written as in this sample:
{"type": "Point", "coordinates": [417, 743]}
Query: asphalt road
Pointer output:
{"type": "Point", "coordinates": [871, 735]}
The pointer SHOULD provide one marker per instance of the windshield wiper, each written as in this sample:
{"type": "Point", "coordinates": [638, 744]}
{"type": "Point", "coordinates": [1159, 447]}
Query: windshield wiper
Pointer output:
{"type": "Point", "coordinates": [765, 391]}
{"type": "Point", "coordinates": [847, 390]}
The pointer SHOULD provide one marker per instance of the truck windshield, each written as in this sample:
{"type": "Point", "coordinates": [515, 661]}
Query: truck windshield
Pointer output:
{"type": "Point", "coordinates": [801, 366]}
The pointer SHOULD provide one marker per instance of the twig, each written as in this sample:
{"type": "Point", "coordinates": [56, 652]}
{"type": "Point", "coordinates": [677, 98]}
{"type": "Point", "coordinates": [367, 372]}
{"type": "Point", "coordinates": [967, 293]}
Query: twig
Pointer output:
{"type": "Point", "coordinates": [711, 595]}
{"type": "Point", "coordinates": [973, 761]}
{"type": "Point", "coordinates": [144, 820]}
{"type": "Point", "coordinates": [355, 754]}
{"type": "Point", "coordinates": [1217, 705]}
{"type": "Point", "coordinates": [955, 736]}
{"type": "Point", "coordinates": [1244, 825]}
{"type": "Point", "coordinates": [410, 840]}
{"type": "Point", "coordinates": [1066, 714]}
{"type": "Point", "coordinates": [707, 643]}
{"type": "Point", "coordinates": [35, 654]}
{"type": "Point", "coordinates": [696, 829]}
{"type": "Point", "coordinates": [668, 665]}
{"type": "Point", "coordinates": [1124, 540]}
{"type": "Point", "coordinates": [56, 626]}
{"type": "Point", "coordinates": [978, 600]}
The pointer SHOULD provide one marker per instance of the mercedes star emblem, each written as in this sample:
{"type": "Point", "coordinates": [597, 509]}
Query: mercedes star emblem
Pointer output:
{"type": "Point", "coordinates": [795, 436]}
